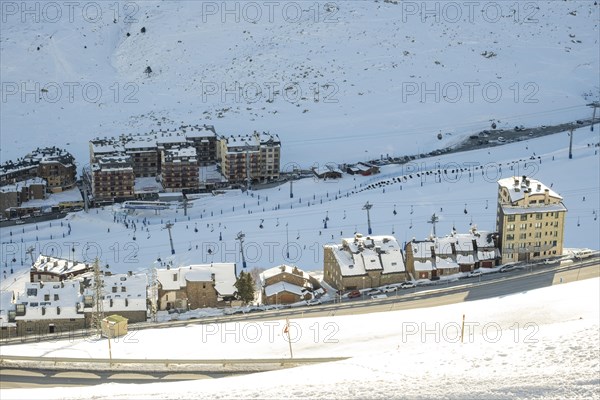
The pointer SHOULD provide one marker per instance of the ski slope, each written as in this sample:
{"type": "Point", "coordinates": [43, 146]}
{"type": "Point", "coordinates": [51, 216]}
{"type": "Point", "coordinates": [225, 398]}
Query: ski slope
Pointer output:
{"type": "Point", "coordinates": [102, 233]}
{"type": "Point", "coordinates": [337, 83]}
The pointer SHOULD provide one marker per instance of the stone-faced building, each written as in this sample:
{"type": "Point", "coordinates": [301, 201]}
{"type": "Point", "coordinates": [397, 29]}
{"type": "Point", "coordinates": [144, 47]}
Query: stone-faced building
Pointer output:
{"type": "Point", "coordinates": [530, 220]}
{"type": "Point", "coordinates": [457, 252]}
{"type": "Point", "coordinates": [52, 164]}
{"type": "Point", "coordinates": [54, 269]}
{"type": "Point", "coordinates": [47, 308]}
{"type": "Point", "coordinates": [285, 284]}
{"type": "Point", "coordinates": [363, 262]}
{"type": "Point", "coordinates": [196, 286]}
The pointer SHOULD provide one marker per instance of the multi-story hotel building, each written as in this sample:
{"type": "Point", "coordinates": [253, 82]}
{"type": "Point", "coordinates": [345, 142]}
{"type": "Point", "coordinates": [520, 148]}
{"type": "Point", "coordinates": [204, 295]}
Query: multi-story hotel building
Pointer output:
{"type": "Point", "coordinates": [530, 220]}
{"type": "Point", "coordinates": [250, 158]}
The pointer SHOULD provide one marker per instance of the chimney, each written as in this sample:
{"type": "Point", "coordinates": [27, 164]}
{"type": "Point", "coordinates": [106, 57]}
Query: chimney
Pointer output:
{"type": "Point", "coordinates": [547, 196]}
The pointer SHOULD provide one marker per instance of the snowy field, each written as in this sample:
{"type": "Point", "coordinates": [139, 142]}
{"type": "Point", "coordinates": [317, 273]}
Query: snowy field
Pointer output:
{"type": "Point", "coordinates": [352, 81]}
{"type": "Point", "coordinates": [103, 234]}
{"type": "Point", "coordinates": [537, 344]}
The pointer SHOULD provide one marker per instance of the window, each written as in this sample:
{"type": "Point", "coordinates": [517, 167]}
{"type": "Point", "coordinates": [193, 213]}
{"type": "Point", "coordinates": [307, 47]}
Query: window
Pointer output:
{"type": "Point", "coordinates": [538, 216]}
{"type": "Point", "coordinates": [511, 218]}
{"type": "Point", "coordinates": [523, 226]}
{"type": "Point", "coordinates": [32, 292]}
{"type": "Point", "coordinates": [510, 237]}
{"type": "Point", "coordinates": [114, 289]}
{"type": "Point", "coordinates": [46, 297]}
{"type": "Point", "coordinates": [511, 227]}
{"type": "Point", "coordinates": [174, 277]}
{"type": "Point", "coordinates": [538, 235]}
{"type": "Point", "coordinates": [523, 236]}
{"type": "Point", "coordinates": [524, 217]}
{"type": "Point", "coordinates": [55, 297]}
{"type": "Point", "coordinates": [538, 225]}
{"type": "Point", "coordinates": [123, 289]}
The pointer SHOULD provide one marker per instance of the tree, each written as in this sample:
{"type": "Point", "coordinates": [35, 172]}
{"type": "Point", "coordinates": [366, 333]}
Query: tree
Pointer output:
{"type": "Point", "coordinates": [148, 71]}
{"type": "Point", "coordinates": [245, 287]}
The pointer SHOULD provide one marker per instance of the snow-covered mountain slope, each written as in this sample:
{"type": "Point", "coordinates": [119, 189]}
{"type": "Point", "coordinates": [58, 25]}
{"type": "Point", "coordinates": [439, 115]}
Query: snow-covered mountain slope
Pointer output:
{"type": "Point", "coordinates": [539, 344]}
{"type": "Point", "coordinates": [332, 80]}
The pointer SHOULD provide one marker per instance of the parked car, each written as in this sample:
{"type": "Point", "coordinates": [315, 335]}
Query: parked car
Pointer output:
{"type": "Point", "coordinates": [407, 284]}
{"type": "Point", "coordinates": [379, 296]}
{"type": "Point", "coordinates": [354, 294]}
{"type": "Point", "coordinates": [583, 254]}
{"type": "Point", "coordinates": [507, 268]}
{"type": "Point", "coordinates": [501, 139]}
{"type": "Point", "coordinates": [389, 289]}
{"type": "Point", "coordinates": [313, 302]}
{"type": "Point", "coordinates": [373, 292]}
{"type": "Point", "coordinates": [474, 273]}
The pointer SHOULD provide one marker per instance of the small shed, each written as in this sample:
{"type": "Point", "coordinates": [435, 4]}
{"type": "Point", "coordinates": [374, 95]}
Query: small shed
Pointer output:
{"type": "Point", "coordinates": [114, 326]}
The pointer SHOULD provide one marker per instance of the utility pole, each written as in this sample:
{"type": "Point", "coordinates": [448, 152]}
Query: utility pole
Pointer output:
{"type": "Point", "coordinates": [292, 187]}
{"type": "Point", "coordinates": [240, 237]}
{"type": "Point", "coordinates": [185, 206]}
{"type": "Point", "coordinates": [434, 219]}
{"type": "Point", "coordinates": [168, 226]}
{"type": "Point", "coordinates": [247, 169]}
{"type": "Point", "coordinates": [368, 208]}
{"type": "Point", "coordinates": [571, 144]}
{"type": "Point", "coordinates": [595, 105]}
{"type": "Point", "coordinates": [287, 242]}
{"type": "Point", "coordinates": [30, 251]}
{"type": "Point", "coordinates": [98, 310]}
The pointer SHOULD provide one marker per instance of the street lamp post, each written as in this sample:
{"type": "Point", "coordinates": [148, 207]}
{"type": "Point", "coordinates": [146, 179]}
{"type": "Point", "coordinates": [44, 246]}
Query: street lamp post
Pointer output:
{"type": "Point", "coordinates": [368, 208]}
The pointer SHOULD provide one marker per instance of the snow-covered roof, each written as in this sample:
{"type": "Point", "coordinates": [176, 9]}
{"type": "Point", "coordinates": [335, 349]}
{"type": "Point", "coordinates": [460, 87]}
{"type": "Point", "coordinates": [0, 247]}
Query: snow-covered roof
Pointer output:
{"type": "Point", "coordinates": [66, 196]}
{"type": "Point", "coordinates": [58, 266]}
{"type": "Point", "coordinates": [487, 254]}
{"type": "Point", "coordinates": [147, 184]}
{"type": "Point", "coordinates": [465, 259]}
{"type": "Point", "coordinates": [516, 187]}
{"type": "Point", "coordinates": [225, 278]}
{"type": "Point", "coordinates": [360, 254]}
{"type": "Point", "coordinates": [43, 300]}
{"type": "Point", "coordinates": [283, 287]}
{"type": "Point", "coordinates": [199, 276]}
{"type": "Point", "coordinates": [445, 263]}
{"type": "Point", "coordinates": [280, 269]}
{"type": "Point", "coordinates": [17, 186]}
{"type": "Point", "coordinates": [425, 265]}
{"type": "Point", "coordinates": [211, 174]}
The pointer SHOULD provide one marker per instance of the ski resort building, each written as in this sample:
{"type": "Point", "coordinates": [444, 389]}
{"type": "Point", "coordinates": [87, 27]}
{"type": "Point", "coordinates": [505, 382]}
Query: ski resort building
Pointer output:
{"type": "Point", "coordinates": [363, 262]}
{"type": "Point", "coordinates": [530, 220]}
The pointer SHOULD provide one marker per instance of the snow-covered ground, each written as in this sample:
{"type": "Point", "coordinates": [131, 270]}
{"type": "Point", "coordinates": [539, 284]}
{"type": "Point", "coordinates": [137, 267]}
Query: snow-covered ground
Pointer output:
{"type": "Point", "coordinates": [96, 233]}
{"type": "Point", "coordinates": [355, 81]}
{"type": "Point", "coordinates": [537, 344]}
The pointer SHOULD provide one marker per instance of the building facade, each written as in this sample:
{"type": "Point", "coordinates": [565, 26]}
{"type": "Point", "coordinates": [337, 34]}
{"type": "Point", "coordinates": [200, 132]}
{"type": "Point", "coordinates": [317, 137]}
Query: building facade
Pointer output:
{"type": "Point", "coordinates": [112, 179]}
{"type": "Point", "coordinates": [530, 220]}
{"type": "Point", "coordinates": [52, 164]}
{"type": "Point", "coordinates": [196, 286]}
{"type": "Point", "coordinates": [250, 158]}
{"type": "Point", "coordinates": [180, 170]}
{"type": "Point", "coordinates": [285, 284]}
{"type": "Point", "coordinates": [364, 262]}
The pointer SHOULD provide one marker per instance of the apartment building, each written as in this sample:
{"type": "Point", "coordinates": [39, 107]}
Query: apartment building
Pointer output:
{"type": "Point", "coordinates": [250, 158]}
{"type": "Point", "coordinates": [180, 171]}
{"type": "Point", "coordinates": [530, 220]}
{"type": "Point", "coordinates": [112, 178]}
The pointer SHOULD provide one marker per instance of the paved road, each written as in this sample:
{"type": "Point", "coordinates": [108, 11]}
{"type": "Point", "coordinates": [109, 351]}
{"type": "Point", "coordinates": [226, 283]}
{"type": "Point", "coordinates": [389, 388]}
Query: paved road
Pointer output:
{"type": "Point", "coordinates": [11, 378]}
{"type": "Point", "coordinates": [488, 287]}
